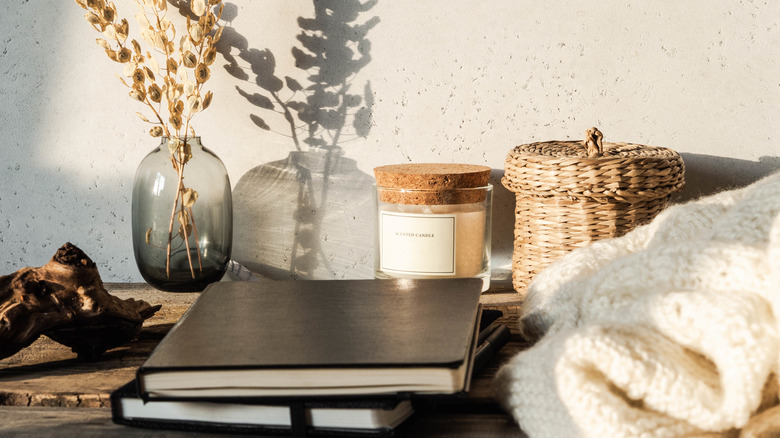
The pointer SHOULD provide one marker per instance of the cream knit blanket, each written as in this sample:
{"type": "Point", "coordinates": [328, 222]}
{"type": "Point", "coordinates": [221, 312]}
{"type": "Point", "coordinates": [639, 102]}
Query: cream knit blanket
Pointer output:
{"type": "Point", "coordinates": [668, 331]}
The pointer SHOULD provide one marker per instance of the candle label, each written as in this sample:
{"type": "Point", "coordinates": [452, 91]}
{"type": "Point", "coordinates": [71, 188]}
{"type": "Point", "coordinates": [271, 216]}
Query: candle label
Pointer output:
{"type": "Point", "coordinates": [417, 243]}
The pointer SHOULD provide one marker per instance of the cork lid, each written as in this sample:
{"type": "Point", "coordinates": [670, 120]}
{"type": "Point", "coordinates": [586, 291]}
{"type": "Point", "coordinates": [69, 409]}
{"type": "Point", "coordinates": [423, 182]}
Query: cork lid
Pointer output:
{"type": "Point", "coordinates": [431, 183]}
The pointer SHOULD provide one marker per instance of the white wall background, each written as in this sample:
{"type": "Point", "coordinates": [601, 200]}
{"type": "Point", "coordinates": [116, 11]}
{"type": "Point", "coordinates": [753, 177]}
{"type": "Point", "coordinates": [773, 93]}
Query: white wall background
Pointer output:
{"type": "Point", "coordinates": [449, 81]}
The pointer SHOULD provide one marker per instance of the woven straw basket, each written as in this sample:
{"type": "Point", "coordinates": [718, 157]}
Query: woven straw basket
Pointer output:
{"type": "Point", "coordinates": [569, 194]}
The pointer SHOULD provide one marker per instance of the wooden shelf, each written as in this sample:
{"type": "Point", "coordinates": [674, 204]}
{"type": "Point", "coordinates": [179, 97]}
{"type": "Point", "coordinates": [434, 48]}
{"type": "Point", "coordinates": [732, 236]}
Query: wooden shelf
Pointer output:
{"type": "Point", "coordinates": [41, 384]}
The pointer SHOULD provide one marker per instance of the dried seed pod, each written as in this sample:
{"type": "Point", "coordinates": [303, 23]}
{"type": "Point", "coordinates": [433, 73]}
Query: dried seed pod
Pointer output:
{"type": "Point", "coordinates": [123, 29]}
{"type": "Point", "coordinates": [207, 22]}
{"type": "Point", "coordinates": [170, 94]}
{"type": "Point", "coordinates": [185, 231]}
{"type": "Point", "coordinates": [138, 76]}
{"type": "Point", "coordinates": [124, 55]}
{"type": "Point", "coordinates": [217, 35]}
{"type": "Point", "coordinates": [109, 14]}
{"type": "Point", "coordinates": [173, 145]}
{"type": "Point", "coordinates": [137, 94]}
{"type": "Point", "coordinates": [202, 73]}
{"type": "Point", "coordinates": [172, 65]}
{"type": "Point", "coordinates": [193, 104]}
{"type": "Point", "coordinates": [156, 131]}
{"type": "Point", "coordinates": [198, 7]}
{"type": "Point", "coordinates": [94, 20]}
{"type": "Point", "coordinates": [189, 197]}
{"type": "Point", "coordinates": [165, 23]}
{"type": "Point", "coordinates": [153, 63]}
{"type": "Point", "coordinates": [175, 120]}
{"type": "Point", "coordinates": [110, 31]}
{"type": "Point", "coordinates": [149, 73]}
{"type": "Point", "coordinates": [189, 59]}
{"type": "Point", "coordinates": [196, 33]}
{"type": "Point", "coordinates": [161, 40]}
{"type": "Point", "coordinates": [206, 100]}
{"type": "Point", "coordinates": [210, 56]}
{"type": "Point", "coordinates": [185, 44]}
{"type": "Point", "coordinates": [189, 88]}
{"type": "Point", "coordinates": [129, 69]}
{"type": "Point", "coordinates": [155, 93]}
{"type": "Point", "coordinates": [103, 43]}
{"type": "Point", "coordinates": [172, 107]}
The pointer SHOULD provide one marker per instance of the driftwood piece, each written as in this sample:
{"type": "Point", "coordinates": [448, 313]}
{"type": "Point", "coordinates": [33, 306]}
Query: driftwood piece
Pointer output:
{"type": "Point", "coordinates": [66, 301]}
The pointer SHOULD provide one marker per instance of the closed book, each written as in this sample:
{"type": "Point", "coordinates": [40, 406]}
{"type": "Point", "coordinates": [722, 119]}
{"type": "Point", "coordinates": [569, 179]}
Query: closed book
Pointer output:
{"type": "Point", "coordinates": [319, 338]}
{"type": "Point", "coordinates": [335, 417]}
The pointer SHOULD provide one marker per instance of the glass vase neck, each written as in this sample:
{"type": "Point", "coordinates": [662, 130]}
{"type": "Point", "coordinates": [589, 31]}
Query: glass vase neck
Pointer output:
{"type": "Point", "coordinates": [188, 139]}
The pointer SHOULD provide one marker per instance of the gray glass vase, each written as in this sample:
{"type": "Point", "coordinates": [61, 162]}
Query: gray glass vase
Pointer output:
{"type": "Point", "coordinates": [182, 249]}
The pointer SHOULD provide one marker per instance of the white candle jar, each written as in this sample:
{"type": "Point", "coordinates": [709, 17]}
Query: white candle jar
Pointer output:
{"type": "Point", "coordinates": [433, 221]}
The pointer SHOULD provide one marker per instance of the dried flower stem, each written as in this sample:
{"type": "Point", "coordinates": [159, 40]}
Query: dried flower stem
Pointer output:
{"type": "Point", "coordinates": [183, 97]}
{"type": "Point", "coordinates": [179, 157]}
{"type": "Point", "coordinates": [182, 214]}
{"type": "Point", "coordinates": [170, 227]}
{"type": "Point", "coordinates": [195, 233]}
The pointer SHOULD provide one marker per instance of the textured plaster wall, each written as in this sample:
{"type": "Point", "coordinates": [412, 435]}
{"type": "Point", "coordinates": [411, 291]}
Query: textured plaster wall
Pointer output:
{"type": "Point", "coordinates": [454, 81]}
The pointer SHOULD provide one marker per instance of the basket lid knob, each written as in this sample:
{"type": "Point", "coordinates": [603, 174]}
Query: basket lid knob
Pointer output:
{"type": "Point", "coordinates": [593, 143]}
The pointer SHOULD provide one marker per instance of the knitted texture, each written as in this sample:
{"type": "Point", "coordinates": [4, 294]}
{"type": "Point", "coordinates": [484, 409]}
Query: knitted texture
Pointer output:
{"type": "Point", "coordinates": [669, 330]}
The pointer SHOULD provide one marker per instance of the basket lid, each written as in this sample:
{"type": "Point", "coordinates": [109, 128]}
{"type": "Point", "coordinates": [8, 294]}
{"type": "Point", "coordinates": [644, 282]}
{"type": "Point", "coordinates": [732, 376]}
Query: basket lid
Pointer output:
{"type": "Point", "coordinates": [593, 169]}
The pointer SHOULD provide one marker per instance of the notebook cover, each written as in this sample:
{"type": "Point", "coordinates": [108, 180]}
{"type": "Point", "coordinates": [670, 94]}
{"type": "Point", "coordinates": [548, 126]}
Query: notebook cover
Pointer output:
{"type": "Point", "coordinates": [323, 323]}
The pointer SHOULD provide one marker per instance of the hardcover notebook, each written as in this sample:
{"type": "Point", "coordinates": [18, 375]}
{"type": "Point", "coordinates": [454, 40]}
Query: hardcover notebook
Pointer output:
{"type": "Point", "coordinates": [319, 338]}
{"type": "Point", "coordinates": [369, 418]}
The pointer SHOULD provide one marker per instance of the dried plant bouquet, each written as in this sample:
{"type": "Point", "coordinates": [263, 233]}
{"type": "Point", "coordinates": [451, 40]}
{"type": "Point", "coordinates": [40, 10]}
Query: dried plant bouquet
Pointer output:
{"type": "Point", "coordinates": [172, 94]}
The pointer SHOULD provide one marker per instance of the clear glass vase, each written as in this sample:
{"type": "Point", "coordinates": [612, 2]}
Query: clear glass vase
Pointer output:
{"type": "Point", "coordinates": [182, 216]}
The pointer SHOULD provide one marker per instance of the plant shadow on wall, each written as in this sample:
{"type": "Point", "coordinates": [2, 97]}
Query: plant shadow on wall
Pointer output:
{"type": "Point", "coordinates": [309, 215]}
